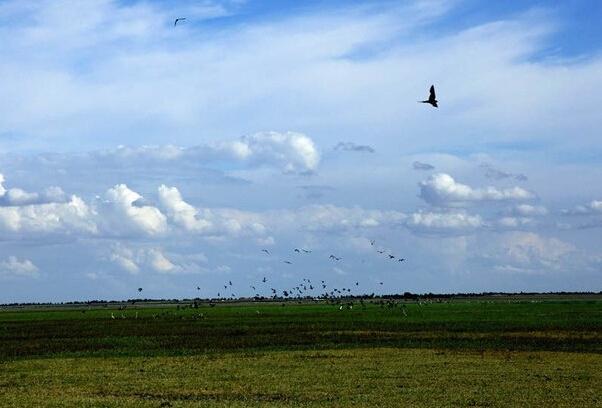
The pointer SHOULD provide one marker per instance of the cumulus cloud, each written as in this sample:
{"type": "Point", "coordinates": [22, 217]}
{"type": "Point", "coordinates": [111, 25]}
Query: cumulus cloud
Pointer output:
{"type": "Point", "coordinates": [120, 215]}
{"type": "Point", "coordinates": [294, 152]}
{"type": "Point", "coordinates": [352, 147]}
{"type": "Point", "coordinates": [122, 212]}
{"type": "Point", "coordinates": [74, 216]}
{"type": "Point", "coordinates": [442, 190]}
{"type": "Point", "coordinates": [19, 197]}
{"type": "Point", "coordinates": [494, 173]}
{"type": "Point", "coordinates": [159, 262]}
{"type": "Point", "coordinates": [125, 258]}
{"type": "Point", "coordinates": [13, 267]}
{"type": "Point", "coordinates": [181, 212]}
{"type": "Point", "coordinates": [211, 222]}
{"type": "Point", "coordinates": [144, 259]}
{"type": "Point", "coordinates": [290, 152]}
{"type": "Point", "coordinates": [422, 166]}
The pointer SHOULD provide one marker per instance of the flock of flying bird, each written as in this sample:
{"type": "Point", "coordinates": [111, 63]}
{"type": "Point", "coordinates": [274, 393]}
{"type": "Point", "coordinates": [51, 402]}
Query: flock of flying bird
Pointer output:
{"type": "Point", "coordinates": [306, 287]}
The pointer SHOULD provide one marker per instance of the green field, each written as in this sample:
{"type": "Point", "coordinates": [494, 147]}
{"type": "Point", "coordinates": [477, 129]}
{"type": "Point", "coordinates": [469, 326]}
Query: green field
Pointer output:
{"type": "Point", "coordinates": [503, 352]}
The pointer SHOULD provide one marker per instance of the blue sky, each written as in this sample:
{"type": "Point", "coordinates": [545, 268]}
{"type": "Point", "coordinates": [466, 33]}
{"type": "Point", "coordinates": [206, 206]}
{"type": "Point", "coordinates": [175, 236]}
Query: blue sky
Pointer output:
{"type": "Point", "coordinates": [133, 153]}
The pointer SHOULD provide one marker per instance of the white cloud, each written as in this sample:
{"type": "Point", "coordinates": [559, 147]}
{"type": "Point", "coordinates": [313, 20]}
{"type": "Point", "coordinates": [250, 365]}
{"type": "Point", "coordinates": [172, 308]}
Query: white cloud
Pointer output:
{"type": "Point", "coordinates": [527, 210]}
{"type": "Point", "coordinates": [125, 258]}
{"type": "Point", "coordinates": [210, 222]}
{"type": "Point", "coordinates": [515, 222]}
{"type": "Point", "coordinates": [20, 197]}
{"type": "Point", "coordinates": [124, 212]}
{"type": "Point", "coordinates": [593, 207]}
{"type": "Point", "coordinates": [153, 259]}
{"type": "Point", "coordinates": [182, 213]}
{"type": "Point", "coordinates": [74, 216]}
{"type": "Point", "coordinates": [13, 267]}
{"type": "Point", "coordinates": [159, 262]}
{"type": "Point", "coordinates": [447, 222]}
{"type": "Point", "coordinates": [442, 190]}
{"type": "Point", "coordinates": [332, 218]}
{"type": "Point", "coordinates": [294, 152]}
{"type": "Point", "coordinates": [119, 214]}
{"type": "Point", "coordinates": [290, 152]}
{"type": "Point", "coordinates": [531, 251]}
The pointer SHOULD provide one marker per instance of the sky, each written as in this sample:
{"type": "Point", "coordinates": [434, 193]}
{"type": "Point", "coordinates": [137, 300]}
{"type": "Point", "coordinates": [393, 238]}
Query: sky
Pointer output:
{"type": "Point", "coordinates": [138, 154]}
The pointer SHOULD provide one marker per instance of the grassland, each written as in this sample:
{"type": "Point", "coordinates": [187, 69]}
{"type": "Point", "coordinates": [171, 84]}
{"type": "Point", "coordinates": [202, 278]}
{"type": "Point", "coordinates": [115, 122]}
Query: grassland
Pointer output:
{"type": "Point", "coordinates": [468, 353]}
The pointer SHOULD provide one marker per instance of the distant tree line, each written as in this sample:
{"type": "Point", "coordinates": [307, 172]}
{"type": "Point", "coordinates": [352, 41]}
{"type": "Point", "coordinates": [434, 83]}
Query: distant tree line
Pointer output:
{"type": "Point", "coordinates": [398, 296]}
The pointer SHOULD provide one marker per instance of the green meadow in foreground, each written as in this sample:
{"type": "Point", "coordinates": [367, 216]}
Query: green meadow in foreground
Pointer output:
{"type": "Point", "coordinates": [464, 353]}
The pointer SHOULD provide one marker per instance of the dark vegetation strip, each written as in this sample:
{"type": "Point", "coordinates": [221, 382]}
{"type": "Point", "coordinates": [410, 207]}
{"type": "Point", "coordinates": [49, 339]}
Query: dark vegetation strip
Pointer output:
{"type": "Point", "coordinates": [549, 325]}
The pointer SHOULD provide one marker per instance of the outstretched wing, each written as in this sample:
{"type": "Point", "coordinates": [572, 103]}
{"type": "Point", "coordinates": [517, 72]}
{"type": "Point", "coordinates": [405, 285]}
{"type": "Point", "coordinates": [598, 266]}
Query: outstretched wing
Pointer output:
{"type": "Point", "coordinates": [432, 95]}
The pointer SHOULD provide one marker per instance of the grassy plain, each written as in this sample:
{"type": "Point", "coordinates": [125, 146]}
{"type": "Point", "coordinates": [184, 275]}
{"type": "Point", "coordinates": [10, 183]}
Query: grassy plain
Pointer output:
{"type": "Point", "coordinates": [504, 352]}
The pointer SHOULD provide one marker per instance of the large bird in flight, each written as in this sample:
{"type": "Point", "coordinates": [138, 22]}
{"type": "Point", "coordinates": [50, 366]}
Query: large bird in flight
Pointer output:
{"type": "Point", "coordinates": [175, 23]}
{"type": "Point", "coordinates": [432, 97]}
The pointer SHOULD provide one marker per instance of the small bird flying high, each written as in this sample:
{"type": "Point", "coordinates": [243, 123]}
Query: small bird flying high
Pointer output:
{"type": "Point", "coordinates": [432, 97]}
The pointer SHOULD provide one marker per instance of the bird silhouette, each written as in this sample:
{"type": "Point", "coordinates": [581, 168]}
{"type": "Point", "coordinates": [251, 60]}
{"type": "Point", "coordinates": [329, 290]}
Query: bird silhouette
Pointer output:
{"type": "Point", "coordinates": [264, 280]}
{"type": "Point", "coordinates": [297, 250]}
{"type": "Point", "coordinates": [432, 97]}
{"type": "Point", "coordinates": [401, 259]}
{"type": "Point", "coordinates": [175, 23]}
{"type": "Point", "coordinates": [139, 289]}
{"type": "Point", "coordinates": [307, 251]}
{"type": "Point", "coordinates": [266, 251]}
{"type": "Point", "coordinates": [391, 257]}
{"type": "Point", "coordinates": [288, 262]}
